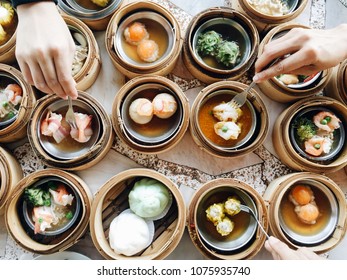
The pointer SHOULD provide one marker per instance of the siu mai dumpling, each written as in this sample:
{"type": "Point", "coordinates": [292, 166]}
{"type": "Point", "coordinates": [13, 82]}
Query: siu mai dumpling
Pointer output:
{"type": "Point", "coordinates": [2, 34]}
{"type": "Point", "coordinates": [164, 105]}
{"type": "Point", "coordinates": [84, 131]}
{"type": "Point", "coordinates": [129, 234]}
{"type": "Point", "coordinates": [101, 3]}
{"type": "Point", "coordinates": [6, 14]}
{"type": "Point", "coordinates": [225, 226]}
{"type": "Point", "coordinates": [227, 130]}
{"type": "Point", "coordinates": [215, 213]}
{"type": "Point", "coordinates": [232, 206]}
{"type": "Point", "coordinates": [135, 33]}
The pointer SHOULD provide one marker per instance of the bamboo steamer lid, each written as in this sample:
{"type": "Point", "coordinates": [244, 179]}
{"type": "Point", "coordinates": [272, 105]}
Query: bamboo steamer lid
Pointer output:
{"type": "Point", "coordinates": [85, 160]}
{"type": "Point", "coordinates": [166, 64]}
{"type": "Point", "coordinates": [10, 173]}
{"type": "Point", "coordinates": [275, 193]}
{"type": "Point", "coordinates": [265, 22]}
{"type": "Point", "coordinates": [337, 85]}
{"type": "Point", "coordinates": [17, 129]}
{"type": "Point", "coordinates": [91, 67]}
{"type": "Point", "coordinates": [261, 113]}
{"type": "Point", "coordinates": [112, 198]}
{"type": "Point", "coordinates": [279, 92]}
{"type": "Point", "coordinates": [96, 20]}
{"type": "Point", "coordinates": [286, 151]}
{"type": "Point", "coordinates": [156, 82]}
{"type": "Point", "coordinates": [210, 75]}
{"type": "Point", "coordinates": [48, 245]}
{"type": "Point", "coordinates": [247, 251]}
{"type": "Point", "coordinates": [7, 50]}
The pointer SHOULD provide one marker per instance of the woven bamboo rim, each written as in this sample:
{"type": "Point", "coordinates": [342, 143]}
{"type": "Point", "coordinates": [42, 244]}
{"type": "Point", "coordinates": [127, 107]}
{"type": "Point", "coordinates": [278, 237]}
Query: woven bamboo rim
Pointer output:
{"type": "Point", "coordinates": [167, 65]}
{"type": "Point", "coordinates": [7, 50]}
{"type": "Point", "coordinates": [337, 85]}
{"type": "Point", "coordinates": [95, 154]}
{"type": "Point", "coordinates": [275, 192]}
{"type": "Point", "coordinates": [265, 22]}
{"type": "Point", "coordinates": [118, 124]}
{"type": "Point", "coordinates": [208, 76]}
{"type": "Point", "coordinates": [17, 129]}
{"type": "Point", "coordinates": [260, 237]}
{"type": "Point", "coordinates": [111, 199]}
{"type": "Point", "coordinates": [279, 92]}
{"type": "Point", "coordinates": [256, 101]}
{"type": "Point", "coordinates": [10, 173]}
{"type": "Point", "coordinates": [285, 149]}
{"type": "Point", "coordinates": [92, 65]}
{"type": "Point", "coordinates": [64, 240]}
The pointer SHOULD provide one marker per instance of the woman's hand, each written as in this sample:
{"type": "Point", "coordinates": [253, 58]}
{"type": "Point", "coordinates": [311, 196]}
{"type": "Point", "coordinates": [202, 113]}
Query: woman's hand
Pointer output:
{"type": "Point", "coordinates": [310, 51]}
{"type": "Point", "coordinates": [45, 49]}
{"type": "Point", "coordinates": [280, 251]}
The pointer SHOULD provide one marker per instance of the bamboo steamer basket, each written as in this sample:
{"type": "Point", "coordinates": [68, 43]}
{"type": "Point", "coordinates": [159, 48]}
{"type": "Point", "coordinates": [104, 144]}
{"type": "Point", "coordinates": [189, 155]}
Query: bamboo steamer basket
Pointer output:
{"type": "Point", "coordinates": [10, 173]}
{"type": "Point", "coordinates": [91, 67]}
{"type": "Point", "coordinates": [279, 92]}
{"type": "Point", "coordinates": [96, 153]}
{"type": "Point", "coordinates": [7, 50]}
{"type": "Point", "coordinates": [162, 68]}
{"type": "Point", "coordinates": [119, 125]}
{"type": "Point", "coordinates": [17, 129]}
{"type": "Point", "coordinates": [337, 85]}
{"type": "Point", "coordinates": [284, 148]}
{"type": "Point", "coordinates": [275, 193]}
{"type": "Point", "coordinates": [260, 131]}
{"type": "Point", "coordinates": [96, 20]}
{"type": "Point", "coordinates": [210, 75]}
{"type": "Point", "coordinates": [266, 22]}
{"type": "Point", "coordinates": [47, 245]}
{"type": "Point", "coordinates": [249, 250]}
{"type": "Point", "coordinates": [112, 198]}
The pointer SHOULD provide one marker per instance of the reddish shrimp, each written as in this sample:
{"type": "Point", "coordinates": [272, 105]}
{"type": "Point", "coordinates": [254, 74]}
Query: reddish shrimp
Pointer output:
{"type": "Point", "coordinates": [315, 145]}
{"type": "Point", "coordinates": [84, 130]}
{"type": "Point", "coordinates": [61, 195]}
{"type": "Point", "coordinates": [14, 93]}
{"type": "Point", "coordinates": [326, 121]}
{"type": "Point", "coordinates": [43, 218]}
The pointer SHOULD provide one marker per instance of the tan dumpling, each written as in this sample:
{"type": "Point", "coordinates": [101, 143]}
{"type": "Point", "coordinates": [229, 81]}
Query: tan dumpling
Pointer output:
{"type": "Point", "coordinates": [232, 206]}
{"type": "Point", "coordinates": [225, 226]}
{"type": "Point", "coordinates": [215, 212]}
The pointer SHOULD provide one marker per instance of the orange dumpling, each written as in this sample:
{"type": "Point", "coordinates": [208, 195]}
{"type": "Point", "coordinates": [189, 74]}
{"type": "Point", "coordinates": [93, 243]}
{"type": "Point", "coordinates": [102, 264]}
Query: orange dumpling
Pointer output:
{"type": "Point", "coordinates": [301, 195]}
{"type": "Point", "coordinates": [148, 50]}
{"type": "Point", "coordinates": [308, 213]}
{"type": "Point", "coordinates": [135, 33]}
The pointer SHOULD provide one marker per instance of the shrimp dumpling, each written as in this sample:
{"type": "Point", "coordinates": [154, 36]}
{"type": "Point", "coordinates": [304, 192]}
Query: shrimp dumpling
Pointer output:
{"type": "Point", "coordinates": [129, 234]}
{"type": "Point", "coordinates": [141, 110]}
{"type": "Point", "coordinates": [164, 105]}
{"type": "Point", "coordinates": [225, 112]}
{"type": "Point", "coordinates": [227, 130]}
{"type": "Point", "coordinates": [148, 50]}
{"type": "Point", "coordinates": [135, 33]}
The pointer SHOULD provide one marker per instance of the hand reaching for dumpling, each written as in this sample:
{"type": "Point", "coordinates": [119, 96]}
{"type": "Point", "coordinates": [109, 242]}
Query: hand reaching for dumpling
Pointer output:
{"type": "Point", "coordinates": [45, 49]}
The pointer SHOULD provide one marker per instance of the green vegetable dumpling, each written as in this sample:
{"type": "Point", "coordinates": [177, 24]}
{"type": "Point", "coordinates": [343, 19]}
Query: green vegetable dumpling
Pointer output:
{"type": "Point", "coordinates": [208, 42]}
{"type": "Point", "coordinates": [149, 198]}
{"type": "Point", "coordinates": [228, 53]}
{"type": "Point", "coordinates": [6, 13]}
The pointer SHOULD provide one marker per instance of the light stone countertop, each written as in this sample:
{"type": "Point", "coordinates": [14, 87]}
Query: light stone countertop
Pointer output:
{"type": "Point", "coordinates": [197, 167]}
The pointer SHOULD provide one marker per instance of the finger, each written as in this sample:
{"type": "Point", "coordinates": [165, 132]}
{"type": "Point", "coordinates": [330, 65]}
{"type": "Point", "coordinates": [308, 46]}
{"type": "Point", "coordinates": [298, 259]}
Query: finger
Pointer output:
{"type": "Point", "coordinates": [38, 78]}
{"type": "Point", "coordinates": [306, 70]}
{"type": "Point", "coordinates": [282, 249]}
{"type": "Point", "coordinates": [308, 254]}
{"type": "Point", "coordinates": [26, 72]}
{"type": "Point", "coordinates": [48, 69]}
{"type": "Point", "coordinates": [63, 66]}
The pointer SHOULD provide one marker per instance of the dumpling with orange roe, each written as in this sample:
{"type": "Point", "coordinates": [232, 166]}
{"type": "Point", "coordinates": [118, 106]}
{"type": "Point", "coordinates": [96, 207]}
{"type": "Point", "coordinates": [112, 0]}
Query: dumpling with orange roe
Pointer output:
{"type": "Point", "coordinates": [301, 195]}
{"type": "Point", "coordinates": [148, 50]}
{"type": "Point", "coordinates": [307, 213]}
{"type": "Point", "coordinates": [135, 33]}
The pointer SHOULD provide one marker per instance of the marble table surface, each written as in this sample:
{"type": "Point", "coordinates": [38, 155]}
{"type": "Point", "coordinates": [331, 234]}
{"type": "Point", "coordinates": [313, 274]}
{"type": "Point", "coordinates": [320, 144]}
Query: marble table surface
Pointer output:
{"type": "Point", "coordinates": [185, 164]}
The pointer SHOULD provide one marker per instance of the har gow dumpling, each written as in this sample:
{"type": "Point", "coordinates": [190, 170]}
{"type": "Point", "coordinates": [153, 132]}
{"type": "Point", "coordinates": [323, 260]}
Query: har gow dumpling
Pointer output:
{"type": "Point", "coordinates": [129, 234]}
{"type": "Point", "coordinates": [149, 198]}
{"type": "Point", "coordinates": [141, 110]}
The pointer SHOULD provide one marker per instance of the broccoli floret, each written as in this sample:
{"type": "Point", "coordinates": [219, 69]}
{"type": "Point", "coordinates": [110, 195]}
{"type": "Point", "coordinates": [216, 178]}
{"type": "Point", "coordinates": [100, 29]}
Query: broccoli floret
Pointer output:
{"type": "Point", "coordinates": [208, 42]}
{"type": "Point", "coordinates": [228, 53]}
{"type": "Point", "coordinates": [37, 196]}
{"type": "Point", "coordinates": [305, 129]}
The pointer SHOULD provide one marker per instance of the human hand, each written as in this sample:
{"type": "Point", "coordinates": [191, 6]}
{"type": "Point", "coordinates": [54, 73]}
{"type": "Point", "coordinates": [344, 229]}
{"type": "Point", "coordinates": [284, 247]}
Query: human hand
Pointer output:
{"type": "Point", "coordinates": [310, 51]}
{"type": "Point", "coordinates": [45, 49]}
{"type": "Point", "coordinates": [281, 251]}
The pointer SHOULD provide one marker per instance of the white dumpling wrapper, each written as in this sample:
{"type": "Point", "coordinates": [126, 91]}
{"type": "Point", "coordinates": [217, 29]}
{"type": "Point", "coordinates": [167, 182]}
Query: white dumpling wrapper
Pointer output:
{"type": "Point", "coordinates": [129, 234]}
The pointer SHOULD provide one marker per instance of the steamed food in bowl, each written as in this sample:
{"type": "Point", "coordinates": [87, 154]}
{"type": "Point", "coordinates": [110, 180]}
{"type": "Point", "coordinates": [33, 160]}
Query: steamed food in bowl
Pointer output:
{"type": "Point", "coordinates": [271, 7]}
{"type": "Point", "coordinates": [10, 99]}
{"type": "Point", "coordinates": [8, 21]}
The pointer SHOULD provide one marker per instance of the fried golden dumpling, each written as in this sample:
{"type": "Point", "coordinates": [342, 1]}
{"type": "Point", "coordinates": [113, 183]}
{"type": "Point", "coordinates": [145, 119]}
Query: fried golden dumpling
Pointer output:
{"type": "Point", "coordinates": [225, 226]}
{"type": "Point", "coordinates": [6, 13]}
{"type": "Point", "coordinates": [215, 212]}
{"type": "Point", "coordinates": [232, 206]}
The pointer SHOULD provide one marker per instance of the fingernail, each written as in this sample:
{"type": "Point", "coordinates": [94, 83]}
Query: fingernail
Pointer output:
{"type": "Point", "coordinates": [256, 78]}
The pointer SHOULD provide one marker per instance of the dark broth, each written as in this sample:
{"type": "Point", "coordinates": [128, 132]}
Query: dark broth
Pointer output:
{"type": "Point", "coordinates": [294, 224]}
{"type": "Point", "coordinates": [156, 33]}
{"type": "Point", "coordinates": [207, 121]}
